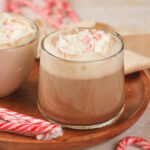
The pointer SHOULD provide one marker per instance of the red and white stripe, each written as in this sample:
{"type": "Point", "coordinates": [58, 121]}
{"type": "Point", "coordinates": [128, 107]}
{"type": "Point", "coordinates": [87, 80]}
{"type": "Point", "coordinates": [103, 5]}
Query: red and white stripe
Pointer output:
{"type": "Point", "coordinates": [35, 130]}
{"type": "Point", "coordinates": [26, 125]}
{"type": "Point", "coordinates": [59, 11]}
{"type": "Point", "coordinates": [46, 12]}
{"type": "Point", "coordinates": [47, 8]}
{"type": "Point", "coordinates": [50, 2]}
{"type": "Point", "coordinates": [133, 141]}
{"type": "Point", "coordinates": [14, 7]}
{"type": "Point", "coordinates": [71, 12]}
{"type": "Point", "coordinates": [39, 11]}
{"type": "Point", "coordinates": [6, 6]}
{"type": "Point", "coordinates": [15, 117]}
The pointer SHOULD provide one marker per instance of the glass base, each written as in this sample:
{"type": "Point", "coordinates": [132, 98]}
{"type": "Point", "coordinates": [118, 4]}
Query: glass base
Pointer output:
{"type": "Point", "coordinates": [84, 127]}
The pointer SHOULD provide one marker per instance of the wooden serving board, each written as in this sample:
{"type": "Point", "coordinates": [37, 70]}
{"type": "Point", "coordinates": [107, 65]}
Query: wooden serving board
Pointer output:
{"type": "Point", "coordinates": [24, 101]}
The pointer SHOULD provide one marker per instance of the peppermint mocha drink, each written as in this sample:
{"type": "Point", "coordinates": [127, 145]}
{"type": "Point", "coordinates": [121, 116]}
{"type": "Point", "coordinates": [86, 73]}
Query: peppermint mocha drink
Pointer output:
{"type": "Point", "coordinates": [81, 83]}
{"type": "Point", "coordinates": [18, 42]}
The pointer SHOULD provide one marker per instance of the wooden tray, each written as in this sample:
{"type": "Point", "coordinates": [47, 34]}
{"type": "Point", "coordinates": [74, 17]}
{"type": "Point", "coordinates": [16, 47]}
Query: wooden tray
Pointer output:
{"type": "Point", "coordinates": [24, 101]}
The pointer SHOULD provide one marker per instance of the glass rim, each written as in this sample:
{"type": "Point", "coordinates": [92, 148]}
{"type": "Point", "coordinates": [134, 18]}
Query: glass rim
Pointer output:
{"type": "Point", "coordinates": [117, 35]}
{"type": "Point", "coordinates": [36, 33]}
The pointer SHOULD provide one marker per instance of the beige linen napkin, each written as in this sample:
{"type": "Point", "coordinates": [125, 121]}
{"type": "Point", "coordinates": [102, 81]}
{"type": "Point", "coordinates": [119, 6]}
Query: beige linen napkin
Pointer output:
{"type": "Point", "coordinates": [137, 52]}
{"type": "Point", "coordinates": [137, 46]}
{"type": "Point", "coordinates": [134, 62]}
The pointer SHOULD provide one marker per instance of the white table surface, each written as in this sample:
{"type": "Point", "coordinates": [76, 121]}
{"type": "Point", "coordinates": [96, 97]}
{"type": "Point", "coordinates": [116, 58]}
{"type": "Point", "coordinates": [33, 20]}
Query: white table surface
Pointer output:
{"type": "Point", "coordinates": [127, 16]}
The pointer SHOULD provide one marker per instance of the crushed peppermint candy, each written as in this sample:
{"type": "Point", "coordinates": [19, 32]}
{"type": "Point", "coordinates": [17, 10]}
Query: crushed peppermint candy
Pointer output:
{"type": "Point", "coordinates": [7, 36]}
{"type": "Point", "coordinates": [83, 42]}
{"type": "Point", "coordinates": [87, 41]}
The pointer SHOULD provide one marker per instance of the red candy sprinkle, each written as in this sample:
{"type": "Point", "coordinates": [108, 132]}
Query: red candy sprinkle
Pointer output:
{"type": "Point", "coordinates": [7, 36]}
{"type": "Point", "coordinates": [93, 47]}
{"type": "Point", "coordinates": [65, 40]}
{"type": "Point", "coordinates": [90, 45]}
{"type": "Point", "coordinates": [86, 39]}
{"type": "Point", "coordinates": [95, 37]}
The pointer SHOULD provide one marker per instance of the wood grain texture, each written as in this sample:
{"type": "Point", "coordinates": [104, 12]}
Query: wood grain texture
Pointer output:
{"type": "Point", "coordinates": [137, 88]}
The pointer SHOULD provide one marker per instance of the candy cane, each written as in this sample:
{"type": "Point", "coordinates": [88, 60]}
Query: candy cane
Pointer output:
{"type": "Point", "coordinates": [6, 6]}
{"type": "Point", "coordinates": [59, 11]}
{"type": "Point", "coordinates": [47, 8]}
{"type": "Point", "coordinates": [39, 11]}
{"type": "Point", "coordinates": [15, 8]}
{"type": "Point", "coordinates": [15, 117]}
{"type": "Point", "coordinates": [50, 2]}
{"type": "Point", "coordinates": [70, 12]}
{"type": "Point", "coordinates": [44, 12]}
{"type": "Point", "coordinates": [133, 141]}
{"type": "Point", "coordinates": [35, 130]}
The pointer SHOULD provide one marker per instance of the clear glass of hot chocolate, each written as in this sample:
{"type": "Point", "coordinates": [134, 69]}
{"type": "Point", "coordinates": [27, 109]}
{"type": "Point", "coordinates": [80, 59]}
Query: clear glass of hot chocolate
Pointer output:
{"type": "Point", "coordinates": [81, 82]}
{"type": "Point", "coordinates": [18, 42]}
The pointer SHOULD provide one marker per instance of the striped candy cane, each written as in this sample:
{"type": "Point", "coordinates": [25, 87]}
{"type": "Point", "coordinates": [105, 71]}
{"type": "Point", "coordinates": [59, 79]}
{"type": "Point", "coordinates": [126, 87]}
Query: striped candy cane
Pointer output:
{"type": "Point", "coordinates": [47, 8]}
{"type": "Point", "coordinates": [6, 6]}
{"type": "Point", "coordinates": [71, 13]}
{"type": "Point", "coordinates": [39, 11]}
{"type": "Point", "coordinates": [16, 117]}
{"type": "Point", "coordinates": [59, 11]}
{"type": "Point", "coordinates": [38, 131]}
{"type": "Point", "coordinates": [15, 8]}
{"type": "Point", "coordinates": [133, 141]}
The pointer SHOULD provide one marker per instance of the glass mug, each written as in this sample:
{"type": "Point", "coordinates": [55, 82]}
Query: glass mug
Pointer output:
{"type": "Point", "coordinates": [16, 63]}
{"type": "Point", "coordinates": [81, 94]}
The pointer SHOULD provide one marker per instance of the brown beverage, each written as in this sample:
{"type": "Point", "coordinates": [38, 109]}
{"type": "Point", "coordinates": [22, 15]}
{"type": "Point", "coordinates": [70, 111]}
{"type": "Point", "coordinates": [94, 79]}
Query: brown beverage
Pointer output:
{"type": "Point", "coordinates": [82, 94]}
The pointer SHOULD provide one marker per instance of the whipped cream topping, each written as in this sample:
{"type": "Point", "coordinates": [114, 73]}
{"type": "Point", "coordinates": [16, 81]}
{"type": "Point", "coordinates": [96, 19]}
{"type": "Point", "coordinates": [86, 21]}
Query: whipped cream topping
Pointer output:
{"type": "Point", "coordinates": [15, 30]}
{"type": "Point", "coordinates": [83, 44]}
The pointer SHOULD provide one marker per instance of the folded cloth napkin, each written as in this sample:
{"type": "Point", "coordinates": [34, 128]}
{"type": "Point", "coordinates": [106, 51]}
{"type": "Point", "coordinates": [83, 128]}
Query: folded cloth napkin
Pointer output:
{"type": "Point", "coordinates": [137, 52]}
{"type": "Point", "coordinates": [134, 62]}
